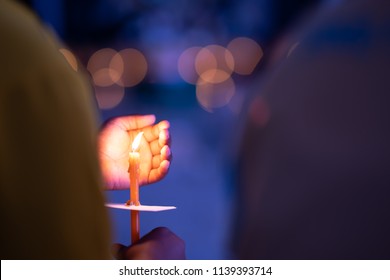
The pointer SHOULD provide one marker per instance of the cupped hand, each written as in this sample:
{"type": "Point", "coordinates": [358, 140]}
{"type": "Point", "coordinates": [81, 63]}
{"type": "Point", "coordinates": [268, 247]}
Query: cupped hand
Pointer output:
{"type": "Point", "coordinates": [114, 144]}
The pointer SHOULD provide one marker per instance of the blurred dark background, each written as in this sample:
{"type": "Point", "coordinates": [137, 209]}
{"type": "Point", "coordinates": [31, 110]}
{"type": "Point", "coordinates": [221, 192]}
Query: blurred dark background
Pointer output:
{"type": "Point", "coordinates": [190, 62]}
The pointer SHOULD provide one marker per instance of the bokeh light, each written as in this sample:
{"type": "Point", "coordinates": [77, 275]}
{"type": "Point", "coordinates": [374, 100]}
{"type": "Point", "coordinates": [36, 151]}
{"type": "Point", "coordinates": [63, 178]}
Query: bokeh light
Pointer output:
{"type": "Point", "coordinates": [105, 77]}
{"type": "Point", "coordinates": [133, 65]}
{"type": "Point", "coordinates": [214, 64]}
{"type": "Point", "coordinates": [70, 58]}
{"type": "Point", "coordinates": [99, 67]}
{"type": "Point", "coordinates": [186, 65]}
{"type": "Point", "coordinates": [247, 54]}
{"type": "Point", "coordinates": [215, 76]}
{"type": "Point", "coordinates": [214, 95]}
{"type": "Point", "coordinates": [109, 97]}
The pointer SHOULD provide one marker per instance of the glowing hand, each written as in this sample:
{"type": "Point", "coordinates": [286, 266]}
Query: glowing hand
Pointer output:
{"type": "Point", "coordinates": [115, 142]}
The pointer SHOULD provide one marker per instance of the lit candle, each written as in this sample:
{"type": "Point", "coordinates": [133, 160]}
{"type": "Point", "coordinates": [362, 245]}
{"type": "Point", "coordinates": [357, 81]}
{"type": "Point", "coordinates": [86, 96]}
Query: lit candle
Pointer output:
{"type": "Point", "coordinates": [134, 160]}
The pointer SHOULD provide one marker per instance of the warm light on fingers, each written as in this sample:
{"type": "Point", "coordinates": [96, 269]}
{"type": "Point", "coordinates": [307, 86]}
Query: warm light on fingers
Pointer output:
{"type": "Point", "coordinates": [165, 151]}
{"type": "Point", "coordinates": [164, 125]}
{"type": "Point", "coordinates": [163, 134]}
{"type": "Point", "coordinates": [164, 166]}
{"type": "Point", "coordinates": [163, 137]}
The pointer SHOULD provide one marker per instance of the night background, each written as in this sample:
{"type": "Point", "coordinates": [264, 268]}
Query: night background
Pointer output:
{"type": "Point", "coordinates": [192, 63]}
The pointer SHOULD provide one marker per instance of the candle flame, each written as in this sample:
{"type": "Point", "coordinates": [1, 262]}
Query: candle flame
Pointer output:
{"type": "Point", "coordinates": [136, 141]}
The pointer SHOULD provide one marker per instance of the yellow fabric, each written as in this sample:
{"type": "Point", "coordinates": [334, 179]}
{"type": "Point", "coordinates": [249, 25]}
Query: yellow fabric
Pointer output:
{"type": "Point", "coordinates": [51, 198]}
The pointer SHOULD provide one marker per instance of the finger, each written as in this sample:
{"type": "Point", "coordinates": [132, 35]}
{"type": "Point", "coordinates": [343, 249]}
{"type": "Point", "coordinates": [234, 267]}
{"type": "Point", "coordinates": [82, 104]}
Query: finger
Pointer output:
{"type": "Point", "coordinates": [164, 166]}
{"type": "Point", "coordinates": [163, 137]}
{"type": "Point", "coordinates": [156, 161]}
{"type": "Point", "coordinates": [153, 132]}
{"type": "Point", "coordinates": [135, 122]}
{"type": "Point", "coordinates": [164, 124]}
{"type": "Point", "coordinates": [159, 173]}
{"type": "Point", "coordinates": [166, 153]}
{"type": "Point", "coordinates": [155, 147]}
{"type": "Point", "coordinates": [157, 144]}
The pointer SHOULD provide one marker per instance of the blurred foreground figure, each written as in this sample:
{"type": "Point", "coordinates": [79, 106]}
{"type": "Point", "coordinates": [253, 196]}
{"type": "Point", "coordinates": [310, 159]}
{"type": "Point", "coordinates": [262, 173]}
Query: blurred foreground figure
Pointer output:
{"type": "Point", "coordinates": [314, 176]}
{"type": "Point", "coordinates": [51, 185]}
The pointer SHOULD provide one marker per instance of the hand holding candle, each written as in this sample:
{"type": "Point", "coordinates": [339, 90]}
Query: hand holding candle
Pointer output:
{"type": "Point", "coordinates": [125, 162]}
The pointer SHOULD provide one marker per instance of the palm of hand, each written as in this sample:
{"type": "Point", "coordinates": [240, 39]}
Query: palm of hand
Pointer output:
{"type": "Point", "coordinates": [115, 145]}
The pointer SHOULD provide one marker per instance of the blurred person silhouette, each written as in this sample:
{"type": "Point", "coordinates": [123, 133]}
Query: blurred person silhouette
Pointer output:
{"type": "Point", "coordinates": [314, 160]}
{"type": "Point", "coordinates": [51, 183]}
